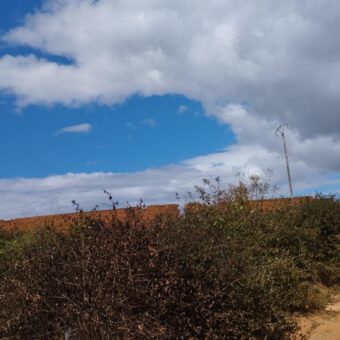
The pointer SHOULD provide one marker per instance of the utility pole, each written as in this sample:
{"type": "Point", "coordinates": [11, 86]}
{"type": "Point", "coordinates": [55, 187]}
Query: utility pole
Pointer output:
{"type": "Point", "coordinates": [281, 131]}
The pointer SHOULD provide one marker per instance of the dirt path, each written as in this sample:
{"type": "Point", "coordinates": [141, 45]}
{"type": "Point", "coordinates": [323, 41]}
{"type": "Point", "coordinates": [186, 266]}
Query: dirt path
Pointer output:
{"type": "Point", "coordinates": [324, 326]}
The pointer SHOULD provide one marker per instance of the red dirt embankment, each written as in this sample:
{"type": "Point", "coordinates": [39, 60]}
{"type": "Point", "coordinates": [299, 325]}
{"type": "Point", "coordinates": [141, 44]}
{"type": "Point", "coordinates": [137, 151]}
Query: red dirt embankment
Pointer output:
{"type": "Point", "coordinates": [149, 213]}
{"type": "Point", "coordinates": [274, 203]}
{"type": "Point", "coordinates": [62, 220]}
{"type": "Point", "coordinates": [264, 204]}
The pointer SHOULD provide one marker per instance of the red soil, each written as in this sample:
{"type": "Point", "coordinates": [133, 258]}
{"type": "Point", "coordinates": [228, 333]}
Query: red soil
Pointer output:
{"type": "Point", "coordinates": [149, 213]}
{"type": "Point", "coordinates": [62, 220]}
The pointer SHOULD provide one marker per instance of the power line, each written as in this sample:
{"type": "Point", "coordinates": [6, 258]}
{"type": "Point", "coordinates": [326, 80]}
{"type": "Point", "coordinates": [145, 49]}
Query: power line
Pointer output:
{"type": "Point", "coordinates": [281, 131]}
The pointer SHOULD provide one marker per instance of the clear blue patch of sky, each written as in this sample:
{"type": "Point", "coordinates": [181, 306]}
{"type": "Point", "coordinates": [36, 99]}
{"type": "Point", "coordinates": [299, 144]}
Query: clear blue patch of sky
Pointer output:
{"type": "Point", "coordinates": [121, 139]}
{"type": "Point", "coordinates": [13, 12]}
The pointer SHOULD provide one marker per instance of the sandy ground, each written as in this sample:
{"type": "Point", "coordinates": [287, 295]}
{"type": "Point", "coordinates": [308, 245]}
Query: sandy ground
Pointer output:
{"type": "Point", "coordinates": [323, 326]}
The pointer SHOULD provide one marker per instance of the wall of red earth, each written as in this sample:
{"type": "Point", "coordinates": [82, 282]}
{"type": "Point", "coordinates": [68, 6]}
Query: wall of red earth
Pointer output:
{"type": "Point", "coordinates": [62, 220]}
{"type": "Point", "coordinates": [149, 214]}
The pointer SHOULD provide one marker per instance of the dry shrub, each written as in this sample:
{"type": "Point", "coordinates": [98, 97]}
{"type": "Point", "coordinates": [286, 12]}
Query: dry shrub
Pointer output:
{"type": "Point", "coordinates": [224, 269]}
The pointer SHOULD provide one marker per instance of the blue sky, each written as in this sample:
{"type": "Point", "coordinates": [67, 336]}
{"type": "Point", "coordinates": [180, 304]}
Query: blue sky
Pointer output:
{"type": "Point", "coordinates": [13, 12]}
{"type": "Point", "coordinates": [146, 99]}
{"type": "Point", "coordinates": [140, 133]}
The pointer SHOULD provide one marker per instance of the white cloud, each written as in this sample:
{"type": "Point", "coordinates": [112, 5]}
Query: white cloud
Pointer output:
{"type": "Point", "coordinates": [50, 195]}
{"type": "Point", "coordinates": [149, 122]}
{"type": "Point", "coordinates": [80, 128]}
{"type": "Point", "coordinates": [182, 109]}
{"type": "Point", "coordinates": [252, 64]}
{"type": "Point", "coordinates": [258, 150]}
{"type": "Point", "coordinates": [282, 59]}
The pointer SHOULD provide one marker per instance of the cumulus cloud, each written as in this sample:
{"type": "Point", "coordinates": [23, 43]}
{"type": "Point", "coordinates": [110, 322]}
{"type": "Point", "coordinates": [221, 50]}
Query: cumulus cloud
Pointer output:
{"type": "Point", "coordinates": [252, 64]}
{"type": "Point", "coordinates": [51, 195]}
{"type": "Point", "coordinates": [282, 59]}
{"type": "Point", "coordinates": [80, 128]}
{"type": "Point", "coordinates": [251, 155]}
